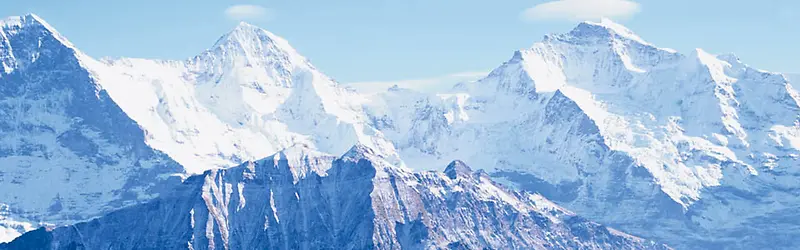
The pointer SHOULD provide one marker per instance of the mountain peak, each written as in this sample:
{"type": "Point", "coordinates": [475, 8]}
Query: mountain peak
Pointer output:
{"type": "Point", "coordinates": [246, 34]}
{"type": "Point", "coordinates": [457, 169]}
{"type": "Point", "coordinates": [247, 29]}
{"type": "Point", "coordinates": [246, 25]}
{"type": "Point", "coordinates": [359, 151]}
{"type": "Point", "coordinates": [605, 28]}
{"type": "Point", "coordinates": [253, 45]}
{"type": "Point", "coordinates": [611, 25]}
{"type": "Point", "coordinates": [29, 21]}
{"type": "Point", "coordinates": [35, 18]}
{"type": "Point", "coordinates": [25, 20]}
{"type": "Point", "coordinates": [24, 39]}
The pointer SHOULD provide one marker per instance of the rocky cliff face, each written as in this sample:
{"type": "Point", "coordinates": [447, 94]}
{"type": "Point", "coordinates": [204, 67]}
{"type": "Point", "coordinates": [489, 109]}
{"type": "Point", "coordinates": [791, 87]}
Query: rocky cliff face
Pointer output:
{"type": "Point", "coordinates": [67, 151]}
{"type": "Point", "coordinates": [300, 199]}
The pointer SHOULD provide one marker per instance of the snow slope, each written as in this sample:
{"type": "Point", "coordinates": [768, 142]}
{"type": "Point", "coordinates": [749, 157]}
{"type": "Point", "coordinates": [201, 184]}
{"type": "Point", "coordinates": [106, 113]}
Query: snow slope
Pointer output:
{"type": "Point", "coordinates": [301, 199]}
{"type": "Point", "coordinates": [247, 97]}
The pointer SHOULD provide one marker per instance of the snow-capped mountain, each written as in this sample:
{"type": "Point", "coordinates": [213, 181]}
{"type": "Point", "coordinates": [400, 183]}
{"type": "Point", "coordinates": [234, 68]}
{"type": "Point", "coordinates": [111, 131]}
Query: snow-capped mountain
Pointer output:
{"type": "Point", "coordinates": [701, 146]}
{"type": "Point", "coordinates": [302, 199]}
{"type": "Point", "coordinates": [696, 150]}
{"type": "Point", "coordinates": [96, 129]}
{"type": "Point", "coordinates": [247, 97]}
{"type": "Point", "coordinates": [67, 150]}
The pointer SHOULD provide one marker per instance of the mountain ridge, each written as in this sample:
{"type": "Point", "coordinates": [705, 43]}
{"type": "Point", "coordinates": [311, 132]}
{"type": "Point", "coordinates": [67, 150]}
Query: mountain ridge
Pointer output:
{"type": "Point", "coordinates": [597, 119]}
{"type": "Point", "coordinates": [408, 210]}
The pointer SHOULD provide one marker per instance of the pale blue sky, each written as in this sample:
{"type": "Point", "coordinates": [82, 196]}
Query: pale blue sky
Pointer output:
{"type": "Point", "coordinates": [382, 40]}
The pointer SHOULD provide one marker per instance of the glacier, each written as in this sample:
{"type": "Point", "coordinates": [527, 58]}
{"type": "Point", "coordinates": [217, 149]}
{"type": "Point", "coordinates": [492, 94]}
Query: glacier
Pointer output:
{"type": "Point", "coordinates": [693, 149]}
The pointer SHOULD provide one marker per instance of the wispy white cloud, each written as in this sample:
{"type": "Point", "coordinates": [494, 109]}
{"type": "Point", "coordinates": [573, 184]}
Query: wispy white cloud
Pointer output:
{"type": "Point", "coordinates": [579, 10]}
{"type": "Point", "coordinates": [432, 84]}
{"type": "Point", "coordinates": [242, 12]}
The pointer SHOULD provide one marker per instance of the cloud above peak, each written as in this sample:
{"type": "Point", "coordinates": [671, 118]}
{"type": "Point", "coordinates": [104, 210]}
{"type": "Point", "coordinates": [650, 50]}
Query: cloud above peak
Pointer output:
{"type": "Point", "coordinates": [580, 10]}
{"type": "Point", "coordinates": [248, 12]}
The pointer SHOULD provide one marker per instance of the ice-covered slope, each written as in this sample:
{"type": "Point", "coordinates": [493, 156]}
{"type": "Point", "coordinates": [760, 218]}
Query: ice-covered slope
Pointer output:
{"type": "Point", "coordinates": [67, 151]}
{"type": "Point", "coordinates": [301, 199]}
{"type": "Point", "coordinates": [702, 146]}
{"type": "Point", "coordinates": [247, 97]}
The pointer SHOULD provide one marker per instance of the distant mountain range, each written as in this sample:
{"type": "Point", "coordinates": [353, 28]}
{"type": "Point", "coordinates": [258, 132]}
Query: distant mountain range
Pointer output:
{"type": "Point", "coordinates": [694, 150]}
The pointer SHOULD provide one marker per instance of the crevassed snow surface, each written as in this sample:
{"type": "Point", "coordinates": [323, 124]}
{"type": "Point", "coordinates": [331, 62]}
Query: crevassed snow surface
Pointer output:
{"type": "Point", "coordinates": [598, 119]}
